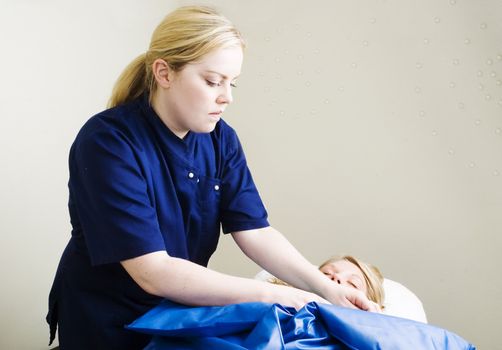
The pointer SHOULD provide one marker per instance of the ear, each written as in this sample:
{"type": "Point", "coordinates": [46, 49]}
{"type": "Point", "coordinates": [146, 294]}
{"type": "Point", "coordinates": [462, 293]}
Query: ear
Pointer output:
{"type": "Point", "coordinates": [162, 73]}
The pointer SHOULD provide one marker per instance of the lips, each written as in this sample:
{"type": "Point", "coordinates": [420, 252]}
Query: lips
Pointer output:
{"type": "Point", "coordinates": [215, 116]}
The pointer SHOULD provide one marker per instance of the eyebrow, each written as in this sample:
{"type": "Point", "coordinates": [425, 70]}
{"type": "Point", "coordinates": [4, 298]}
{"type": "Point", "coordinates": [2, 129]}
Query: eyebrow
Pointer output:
{"type": "Point", "coordinates": [220, 74]}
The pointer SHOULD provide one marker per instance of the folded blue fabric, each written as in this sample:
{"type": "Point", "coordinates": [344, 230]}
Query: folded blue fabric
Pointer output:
{"type": "Point", "coordinates": [272, 326]}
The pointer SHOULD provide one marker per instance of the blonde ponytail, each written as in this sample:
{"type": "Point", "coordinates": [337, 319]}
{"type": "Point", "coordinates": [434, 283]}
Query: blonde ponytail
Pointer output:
{"type": "Point", "coordinates": [184, 36]}
{"type": "Point", "coordinates": [131, 83]}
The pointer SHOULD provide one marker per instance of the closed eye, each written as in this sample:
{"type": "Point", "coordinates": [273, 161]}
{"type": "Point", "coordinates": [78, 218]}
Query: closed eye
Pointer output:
{"type": "Point", "coordinates": [212, 83]}
{"type": "Point", "coordinates": [356, 284]}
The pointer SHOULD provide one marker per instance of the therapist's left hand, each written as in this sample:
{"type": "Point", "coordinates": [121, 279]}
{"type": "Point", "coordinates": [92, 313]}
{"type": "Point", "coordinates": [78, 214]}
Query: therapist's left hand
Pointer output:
{"type": "Point", "coordinates": [348, 297]}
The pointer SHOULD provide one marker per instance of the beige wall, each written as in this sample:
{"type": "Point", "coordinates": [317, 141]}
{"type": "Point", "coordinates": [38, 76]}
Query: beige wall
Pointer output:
{"type": "Point", "coordinates": [375, 128]}
{"type": "Point", "coordinates": [372, 128]}
{"type": "Point", "coordinates": [59, 60]}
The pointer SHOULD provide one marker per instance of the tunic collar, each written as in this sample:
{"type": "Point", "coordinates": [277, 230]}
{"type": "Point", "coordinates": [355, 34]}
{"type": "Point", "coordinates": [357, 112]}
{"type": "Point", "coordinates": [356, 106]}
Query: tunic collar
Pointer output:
{"type": "Point", "coordinates": [183, 148]}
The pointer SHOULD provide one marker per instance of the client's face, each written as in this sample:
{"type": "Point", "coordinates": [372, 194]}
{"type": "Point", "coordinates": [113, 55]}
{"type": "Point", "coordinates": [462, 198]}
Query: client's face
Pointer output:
{"type": "Point", "coordinates": [345, 273]}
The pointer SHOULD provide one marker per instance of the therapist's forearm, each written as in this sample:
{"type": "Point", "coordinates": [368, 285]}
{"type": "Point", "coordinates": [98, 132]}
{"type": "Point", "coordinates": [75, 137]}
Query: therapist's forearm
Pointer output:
{"type": "Point", "coordinates": [273, 252]}
{"type": "Point", "coordinates": [191, 284]}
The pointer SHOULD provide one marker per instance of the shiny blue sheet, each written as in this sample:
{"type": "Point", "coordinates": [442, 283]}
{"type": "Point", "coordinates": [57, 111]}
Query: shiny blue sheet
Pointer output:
{"type": "Point", "coordinates": [272, 326]}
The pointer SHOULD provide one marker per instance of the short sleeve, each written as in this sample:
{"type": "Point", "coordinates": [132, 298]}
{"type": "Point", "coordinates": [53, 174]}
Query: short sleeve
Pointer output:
{"type": "Point", "coordinates": [109, 193]}
{"type": "Point", "coordinates": [242, 208]}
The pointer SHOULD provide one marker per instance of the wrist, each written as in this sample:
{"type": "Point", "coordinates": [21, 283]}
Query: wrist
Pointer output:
{"type": "Point", "coordinates": [323, 286]}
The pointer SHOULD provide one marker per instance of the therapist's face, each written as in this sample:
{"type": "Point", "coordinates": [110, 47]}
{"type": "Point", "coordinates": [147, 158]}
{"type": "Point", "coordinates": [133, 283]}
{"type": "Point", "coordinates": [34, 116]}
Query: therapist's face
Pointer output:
{"type": "Point", "coordinates": [196, 96]}
{"type": "Point", "coordinates": [345, 273]}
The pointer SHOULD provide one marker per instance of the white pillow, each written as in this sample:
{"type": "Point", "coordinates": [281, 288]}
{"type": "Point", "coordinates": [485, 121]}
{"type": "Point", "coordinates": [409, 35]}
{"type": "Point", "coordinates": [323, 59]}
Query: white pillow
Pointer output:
{"type": "Point", "coordinates": [399, 300]}
{"type": "Point", "coordinates": [402, 302]}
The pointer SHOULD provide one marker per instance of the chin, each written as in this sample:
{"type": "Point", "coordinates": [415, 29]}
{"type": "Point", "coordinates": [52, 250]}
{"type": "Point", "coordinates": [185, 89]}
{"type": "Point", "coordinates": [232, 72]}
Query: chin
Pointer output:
{"type": "Point", "coordinates": [206, 129]}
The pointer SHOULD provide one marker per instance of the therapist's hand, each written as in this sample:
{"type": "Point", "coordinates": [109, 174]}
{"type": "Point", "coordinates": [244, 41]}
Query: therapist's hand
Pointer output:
{"type": "Point", "coordinates": [290, 296]}
{"type": "Point", "coordinates": [336, 294]}
{"type": "Point", "coordinates": [349, 297]}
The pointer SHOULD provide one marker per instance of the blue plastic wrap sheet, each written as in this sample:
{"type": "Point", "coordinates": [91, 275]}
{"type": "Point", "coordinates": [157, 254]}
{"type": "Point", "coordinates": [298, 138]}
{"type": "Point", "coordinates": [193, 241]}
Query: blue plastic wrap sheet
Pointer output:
{"type": "Point", "coordinates": [272, 326]}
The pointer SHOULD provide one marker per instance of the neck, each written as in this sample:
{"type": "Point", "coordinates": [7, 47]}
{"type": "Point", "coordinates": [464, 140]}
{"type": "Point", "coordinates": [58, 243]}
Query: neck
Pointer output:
{"type": "Point", "coordinates": [161, 107]}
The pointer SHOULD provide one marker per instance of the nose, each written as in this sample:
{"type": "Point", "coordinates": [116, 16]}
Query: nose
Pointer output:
{"type": "Point", "coordinates": [226, 96]}
{"type": "Point", "coordinates": [335, 278]}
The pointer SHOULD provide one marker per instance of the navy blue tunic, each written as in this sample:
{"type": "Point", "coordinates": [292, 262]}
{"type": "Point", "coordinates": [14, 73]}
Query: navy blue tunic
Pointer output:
{"type": "Point", "coordinates": [136, 188]}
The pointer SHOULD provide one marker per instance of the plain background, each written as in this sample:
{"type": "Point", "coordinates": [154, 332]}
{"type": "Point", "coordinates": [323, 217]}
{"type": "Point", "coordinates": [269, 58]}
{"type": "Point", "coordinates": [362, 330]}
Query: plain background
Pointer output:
{"type": "Point", "coordinates": [372, 128]}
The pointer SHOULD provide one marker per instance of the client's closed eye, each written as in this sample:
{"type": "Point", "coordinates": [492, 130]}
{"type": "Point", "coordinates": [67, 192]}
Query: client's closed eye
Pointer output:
{"type": "Point", "coordinates": [329, 275]}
